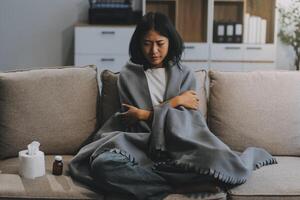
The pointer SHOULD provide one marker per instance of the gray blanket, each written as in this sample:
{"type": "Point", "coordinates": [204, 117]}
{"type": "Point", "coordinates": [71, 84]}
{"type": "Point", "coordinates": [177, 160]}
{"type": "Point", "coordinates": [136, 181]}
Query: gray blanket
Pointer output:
{"type": "Point", "coordinates": [181, 133]}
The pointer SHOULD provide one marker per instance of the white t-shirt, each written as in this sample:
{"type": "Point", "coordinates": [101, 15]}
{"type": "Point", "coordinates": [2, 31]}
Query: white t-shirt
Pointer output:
{"type": "Point", "coordinates": [157, 82]}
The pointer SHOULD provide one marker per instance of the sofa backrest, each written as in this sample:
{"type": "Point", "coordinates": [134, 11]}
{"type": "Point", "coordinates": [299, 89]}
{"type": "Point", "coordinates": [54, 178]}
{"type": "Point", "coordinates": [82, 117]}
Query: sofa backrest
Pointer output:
{"type": "Point", "coordinates": [260, 109]}
{"type": "Point", "coordinates": [56, 107]}
{"type": "Point", "coordinates": [110, 97]}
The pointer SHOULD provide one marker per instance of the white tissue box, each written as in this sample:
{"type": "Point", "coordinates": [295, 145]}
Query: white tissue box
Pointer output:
{"type": "Point", "coordinates": [31, 166]}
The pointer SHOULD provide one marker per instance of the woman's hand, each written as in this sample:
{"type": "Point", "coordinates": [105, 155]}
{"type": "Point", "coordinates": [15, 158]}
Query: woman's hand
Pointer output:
{"type": "Point", "coordinates": [134, 114]}
{"type": "Point", "coordinates": [187, 99]}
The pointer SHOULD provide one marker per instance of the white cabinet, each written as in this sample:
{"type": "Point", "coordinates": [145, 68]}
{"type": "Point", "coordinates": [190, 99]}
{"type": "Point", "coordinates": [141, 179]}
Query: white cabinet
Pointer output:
{"type": "Point", "coordinates": [106, 47]}
{"type": "Point", "coordinates": [260, 54]}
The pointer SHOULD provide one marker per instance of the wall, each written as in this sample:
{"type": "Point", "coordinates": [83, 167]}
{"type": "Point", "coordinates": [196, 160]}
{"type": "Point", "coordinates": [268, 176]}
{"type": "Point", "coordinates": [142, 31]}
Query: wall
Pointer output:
{"type": "Point", "coordinates": [39, 33]}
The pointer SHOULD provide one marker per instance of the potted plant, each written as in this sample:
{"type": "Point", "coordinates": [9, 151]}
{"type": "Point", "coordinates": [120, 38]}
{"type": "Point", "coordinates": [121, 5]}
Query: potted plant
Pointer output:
{"type": "Point", "coordinates": [289, 32]}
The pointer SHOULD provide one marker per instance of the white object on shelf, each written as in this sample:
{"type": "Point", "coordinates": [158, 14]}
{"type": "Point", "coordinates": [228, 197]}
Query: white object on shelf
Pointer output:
{"type": "Point", "coordinates": [263, 34]}
{"type": "Point", "coordinates": [246, 27]}
{"type": "Point", "coordinates": [258, 30]}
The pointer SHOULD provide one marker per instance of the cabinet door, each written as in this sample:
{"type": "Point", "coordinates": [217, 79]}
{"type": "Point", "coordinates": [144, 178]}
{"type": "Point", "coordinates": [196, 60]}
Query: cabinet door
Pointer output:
{"type": "Point", "coordinates": [195, 51]}
{"type": "Point", "coordinates": [99, 40]}
{"type": "Point", "coordinates": [111, 62]}
{"type": "Point", "coordinates": [266, 52]}
{"type": "Point", "coordinates": [226, 52]}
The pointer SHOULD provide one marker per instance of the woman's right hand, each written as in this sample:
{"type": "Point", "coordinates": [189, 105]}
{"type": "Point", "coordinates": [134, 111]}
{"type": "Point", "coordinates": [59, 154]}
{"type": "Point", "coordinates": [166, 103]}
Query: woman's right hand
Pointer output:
{"type": "Point", "coordinates": [189, 100]}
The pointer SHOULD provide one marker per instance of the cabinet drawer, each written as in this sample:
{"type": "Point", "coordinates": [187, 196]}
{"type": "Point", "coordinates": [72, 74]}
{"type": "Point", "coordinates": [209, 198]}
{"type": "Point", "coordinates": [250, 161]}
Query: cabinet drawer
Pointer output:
{"type": "Point", "coordinates": [259, 53]}
{"type": "Point", "coordinates": [195, 51]}
{"type": "Point", "coordinates": [111, 62]}
{"type": "Point", "coordinates": [93, 40]}
{"type": "Point", "coordinates": [227, 52]}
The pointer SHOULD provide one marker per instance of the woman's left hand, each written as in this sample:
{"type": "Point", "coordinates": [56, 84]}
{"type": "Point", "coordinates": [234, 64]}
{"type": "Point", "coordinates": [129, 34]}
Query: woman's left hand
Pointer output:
{"type": "Point", "coordinates": [134, 114]}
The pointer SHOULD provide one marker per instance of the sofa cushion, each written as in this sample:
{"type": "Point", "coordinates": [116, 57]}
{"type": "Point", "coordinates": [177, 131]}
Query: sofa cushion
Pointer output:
{"type": "Point", "coordinates": [272, 182]}
{"type": "Point", "coordinates": [63, 187]}
{"type": "Point", "coordinates": [45, 187]}
{"type": "Point", "coordinates": [56, 107]}
{"type": "Point", "coordinates": [256, 109]}
{"type": "Point", "coordinates": [110, 102]}
{"type": "Point", "coordinates": [110, 97]}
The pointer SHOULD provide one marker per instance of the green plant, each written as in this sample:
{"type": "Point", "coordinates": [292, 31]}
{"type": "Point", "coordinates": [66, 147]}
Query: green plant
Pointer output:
{"type": "Point", "coordinates": [289, 32]}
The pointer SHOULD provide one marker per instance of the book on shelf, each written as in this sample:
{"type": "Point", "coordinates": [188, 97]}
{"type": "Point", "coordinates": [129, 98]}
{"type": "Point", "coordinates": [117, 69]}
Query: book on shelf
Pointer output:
{"type": "Point", "coordinates": [238, 33]}
{"type": "Point", "coordinates": [255, 29]}
{"type": "Point", "coordinates": [229, 33]}
{"type": "Point", "coordinates": [117, 4]}
{"type": "Point", "coordinates": [219, 32]}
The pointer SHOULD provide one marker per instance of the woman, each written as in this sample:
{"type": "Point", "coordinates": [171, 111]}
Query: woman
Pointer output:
{"type": "Point", "coordinates": [159, 141]}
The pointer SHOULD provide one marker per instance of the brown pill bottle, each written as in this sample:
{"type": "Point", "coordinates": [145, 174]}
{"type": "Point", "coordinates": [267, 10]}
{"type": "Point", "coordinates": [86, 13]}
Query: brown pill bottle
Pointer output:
{"type": "Point", "coordinates": [57, 166]}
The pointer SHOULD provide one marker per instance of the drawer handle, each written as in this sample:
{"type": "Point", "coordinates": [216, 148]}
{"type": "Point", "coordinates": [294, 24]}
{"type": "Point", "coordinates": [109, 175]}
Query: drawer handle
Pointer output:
{"type": "Point", "coordinates": [232, 48]}
{"type": "Point", "coordinates": [254, 48]}
{"type": "Point", "coordinates": [189, 47]}
{"type": "Point", "coordinates": [108, 32]}
{"type": "Point", "coordinates": [107, 59]}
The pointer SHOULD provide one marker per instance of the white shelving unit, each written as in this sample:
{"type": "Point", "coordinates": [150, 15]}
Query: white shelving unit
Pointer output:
{"type": "Point", "coordinates": [244, 56]}
{"type": "Point", "coordinates": [107, 46]}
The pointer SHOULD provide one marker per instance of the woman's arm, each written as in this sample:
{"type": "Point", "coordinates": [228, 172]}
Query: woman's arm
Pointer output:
{"type": "Point", "coordinates": [134, 114]}
{"type": "Point", "coordinates": [187, 99]}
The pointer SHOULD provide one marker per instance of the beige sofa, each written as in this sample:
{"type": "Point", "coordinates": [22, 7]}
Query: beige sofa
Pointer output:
{"type": "Point", "coordinates": [62, 107]}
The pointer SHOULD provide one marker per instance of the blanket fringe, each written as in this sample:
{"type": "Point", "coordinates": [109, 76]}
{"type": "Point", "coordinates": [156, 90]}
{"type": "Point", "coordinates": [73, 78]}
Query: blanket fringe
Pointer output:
{"type": "Point", "coordinates": [188, 167]}
{"type": "Point", "coordinates": [225, 178]}
{"type": "Point", "coordinates": [265, 163]}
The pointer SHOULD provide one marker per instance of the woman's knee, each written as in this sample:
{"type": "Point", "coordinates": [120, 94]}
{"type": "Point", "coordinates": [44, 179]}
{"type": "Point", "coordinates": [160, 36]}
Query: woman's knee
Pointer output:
{"type": "Point", "coordinates": [106, 163]}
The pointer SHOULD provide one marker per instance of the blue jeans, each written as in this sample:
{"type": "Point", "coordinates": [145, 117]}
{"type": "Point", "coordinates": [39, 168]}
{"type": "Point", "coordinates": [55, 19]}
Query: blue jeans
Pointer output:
{"type": "Point", "coordinates": [115, 173]}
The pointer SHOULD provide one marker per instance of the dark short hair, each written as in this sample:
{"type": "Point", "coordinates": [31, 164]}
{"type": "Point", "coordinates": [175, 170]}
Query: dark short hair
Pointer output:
{"type": "Point", "coordinates": [160, 23]}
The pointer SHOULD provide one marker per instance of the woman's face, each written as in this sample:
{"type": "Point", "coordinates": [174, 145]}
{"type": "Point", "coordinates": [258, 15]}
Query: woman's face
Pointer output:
{"type": "Point", "coordinates": [155, 48]}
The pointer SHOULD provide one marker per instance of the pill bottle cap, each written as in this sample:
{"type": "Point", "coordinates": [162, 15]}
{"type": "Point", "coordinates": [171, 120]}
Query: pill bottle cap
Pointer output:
{"type": "Point", "coordinates": [58, 158]}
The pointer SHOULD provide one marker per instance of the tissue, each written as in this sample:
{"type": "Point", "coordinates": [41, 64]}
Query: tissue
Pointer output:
{"type": "Point", "coordinates": [32, 161]}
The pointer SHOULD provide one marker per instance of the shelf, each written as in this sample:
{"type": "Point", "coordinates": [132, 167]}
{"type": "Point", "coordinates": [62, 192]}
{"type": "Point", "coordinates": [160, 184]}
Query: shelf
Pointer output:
{"type": "Point", "coordinates": [180, 12]}
{"type": "Point", "coordinates": [166, 7]}
{"type": "Point", "coordinates": [231, 11]}
{"type": "Point", "coordinates": [195, 29]}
